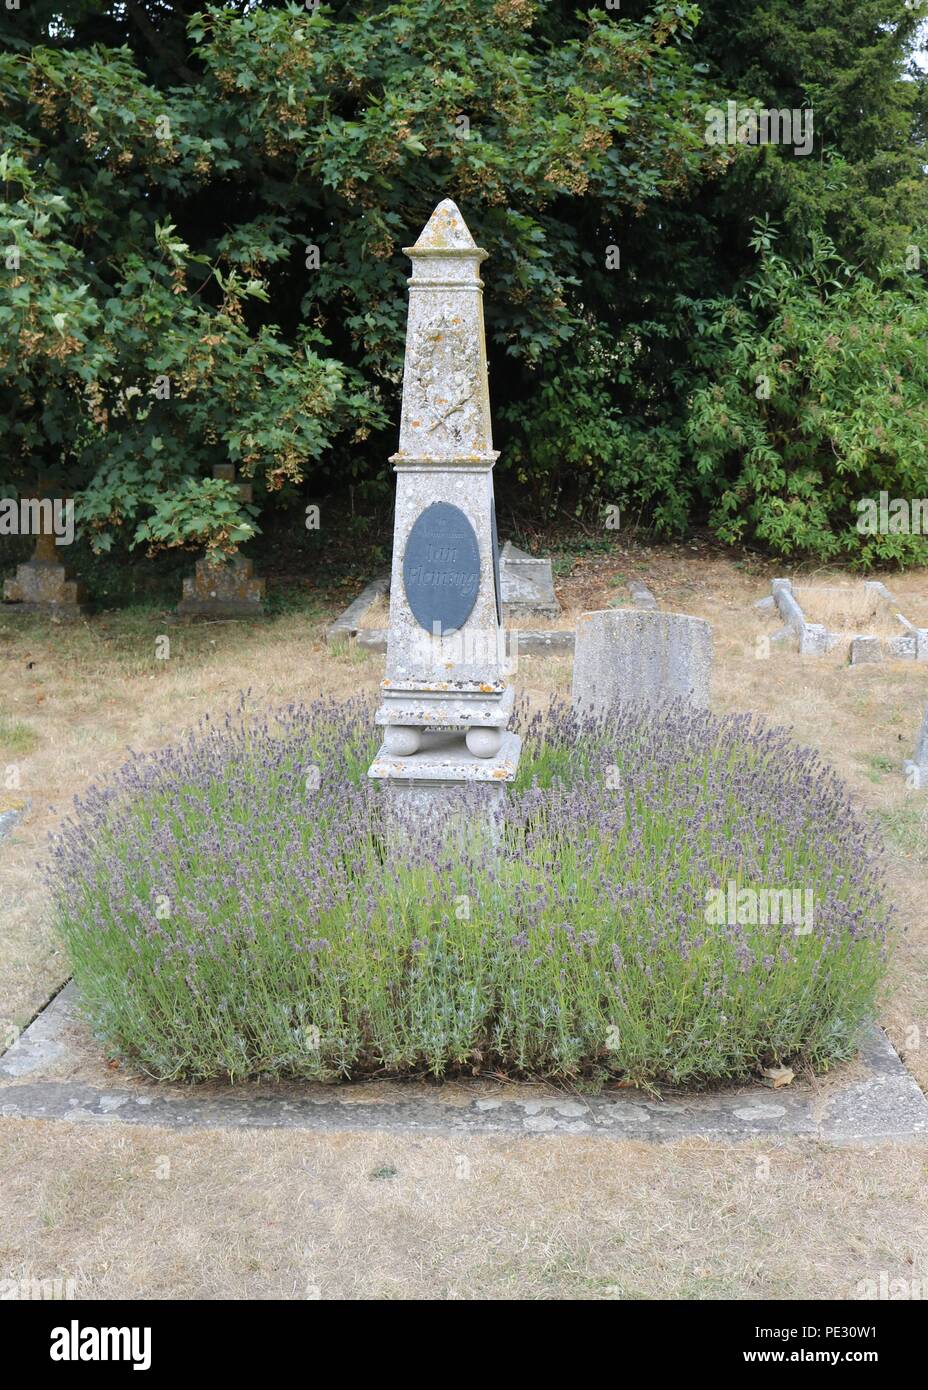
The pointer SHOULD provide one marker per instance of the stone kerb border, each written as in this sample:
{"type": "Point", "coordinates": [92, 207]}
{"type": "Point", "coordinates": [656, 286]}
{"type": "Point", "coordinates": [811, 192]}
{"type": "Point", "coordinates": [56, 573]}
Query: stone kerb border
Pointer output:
{"type": "Point", "coordinates": [346, 624]}
{"type": "Point", "coordinates": [814, 639]}
{"type": "Point", "coordinates": [532, 641]}
{"type": "Point", "coordinates": [55, 1072]}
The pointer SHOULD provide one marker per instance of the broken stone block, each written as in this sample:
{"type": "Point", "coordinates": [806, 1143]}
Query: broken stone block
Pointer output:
{"type": "Point", "coordinates": [904, 647]}
{"type": "Point", "coordinates": [813, 640]}
{"type": "Point", "coordinates": [865, 649]}
{"type": "Point", "coordinates": [641, 594]}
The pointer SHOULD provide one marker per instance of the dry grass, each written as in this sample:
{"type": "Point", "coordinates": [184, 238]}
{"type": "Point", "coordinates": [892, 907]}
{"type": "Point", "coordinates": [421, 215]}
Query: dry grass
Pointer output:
{"type": "Point", "coordinates": [378, 615]}
{"type": "Point", "coordinates": [266, 1214]}
{"type": "Point", "coordinates": [849, 609]}
{"type": "Point", "coordinates": [154, 1214]}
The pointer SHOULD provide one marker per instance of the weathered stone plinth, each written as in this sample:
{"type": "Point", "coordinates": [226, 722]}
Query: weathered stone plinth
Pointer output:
{"type": "Point", "coordinates": [445, 705]}
{"type": "Point", "coordinates": [41, 585]}
{"type": "Point", "coordinates": [444, 758]}
{"type": "Point", "coordinates": [527, 585]}
{"type": "Point", "coordinates": [446, 783]}
{"type": "Point", "coordinates": [227, 590]}
{"type": "Point", "coordinates": [471, 825]}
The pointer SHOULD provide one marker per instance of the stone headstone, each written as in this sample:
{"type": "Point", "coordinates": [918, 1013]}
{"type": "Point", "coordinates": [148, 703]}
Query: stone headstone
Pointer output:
{"type": "Point", "coordinates": [814, 639]}
{"type": "Point", "coordinates": [527, 585]}
{"type": "Point", "coordinates": [224, 589]}
{"type": "Point", "coordinates": [41, 585]}
{"type": "Point", "coordinates": [227, 589]}
{"type": "Point", "coordinates": [639, 656]}
{"type": "Point", "coordinates": [445, 702]}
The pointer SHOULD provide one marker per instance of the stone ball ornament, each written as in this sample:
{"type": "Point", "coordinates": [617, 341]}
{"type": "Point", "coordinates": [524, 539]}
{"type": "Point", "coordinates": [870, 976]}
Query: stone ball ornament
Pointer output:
{"type": "Point", "coordinates": [484, 743]}
{"type": "Point", "coordinates": [402, 740]}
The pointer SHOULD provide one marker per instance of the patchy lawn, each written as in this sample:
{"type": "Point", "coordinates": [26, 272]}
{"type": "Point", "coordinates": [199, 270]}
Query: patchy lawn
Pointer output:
{"type": "Point", "coordinates": [133, 1214]}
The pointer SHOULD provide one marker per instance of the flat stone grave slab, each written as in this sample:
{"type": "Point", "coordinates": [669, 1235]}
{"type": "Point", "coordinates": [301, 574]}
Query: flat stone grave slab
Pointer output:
{"type": "Point", "coordinates": [527, 584]}
{"type": "Point", "coordinates": [55, 1071]}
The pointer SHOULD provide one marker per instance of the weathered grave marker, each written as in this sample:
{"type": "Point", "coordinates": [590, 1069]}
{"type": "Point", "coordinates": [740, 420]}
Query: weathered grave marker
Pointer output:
{"type": "Point", "coordinates": [865, 649]}
{"type": "Point", "coordinates": [445, 703]}
{"type": "Point", "coordinates": [527, 585]}
{"type": "Point", "coordinates": [640, 656]}
{"type": "Point", "coordinates": [41, 585]}
{"type": "Point", "coordinates": [229, 589]}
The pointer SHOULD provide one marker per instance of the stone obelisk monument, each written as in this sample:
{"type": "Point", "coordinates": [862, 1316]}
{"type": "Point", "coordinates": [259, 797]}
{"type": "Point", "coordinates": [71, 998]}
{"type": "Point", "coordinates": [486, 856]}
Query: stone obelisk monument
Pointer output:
{"type": "Point", "coordinates": [445, 703]}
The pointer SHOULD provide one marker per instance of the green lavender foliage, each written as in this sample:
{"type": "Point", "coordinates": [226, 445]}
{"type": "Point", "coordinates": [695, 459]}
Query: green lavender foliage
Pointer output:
{"type": "Point", "coordinates": [232, 907]}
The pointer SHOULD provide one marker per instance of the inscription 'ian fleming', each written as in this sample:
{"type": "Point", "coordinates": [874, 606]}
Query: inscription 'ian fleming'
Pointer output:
{"type": "Point", "coordinates": [441, 568]}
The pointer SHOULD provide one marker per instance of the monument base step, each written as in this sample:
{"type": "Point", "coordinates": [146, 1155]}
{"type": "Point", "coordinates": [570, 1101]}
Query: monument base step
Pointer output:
{"type": "Point", "coordinates": [220, 608]}
{"type": "Point", "coordinates": [64, 612]}
{"type": "Point", "coordinates": [444, 760]}
{"type": "Point", "coordinates": [449, 708]}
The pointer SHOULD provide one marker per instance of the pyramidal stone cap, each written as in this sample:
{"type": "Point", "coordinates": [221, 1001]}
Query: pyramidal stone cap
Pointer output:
{"type": "Point", "coordinates": [445, 231]}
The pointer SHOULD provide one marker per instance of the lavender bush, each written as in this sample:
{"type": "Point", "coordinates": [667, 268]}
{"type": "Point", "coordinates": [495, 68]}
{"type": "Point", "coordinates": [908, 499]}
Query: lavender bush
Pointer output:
{"type": "Point", "coordinates": [231, 908]}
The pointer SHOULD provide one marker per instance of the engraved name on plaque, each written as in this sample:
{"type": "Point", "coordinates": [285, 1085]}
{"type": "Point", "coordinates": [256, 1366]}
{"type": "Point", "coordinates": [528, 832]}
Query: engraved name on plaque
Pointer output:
{"type": "Point", "coordinates": [441, 568]}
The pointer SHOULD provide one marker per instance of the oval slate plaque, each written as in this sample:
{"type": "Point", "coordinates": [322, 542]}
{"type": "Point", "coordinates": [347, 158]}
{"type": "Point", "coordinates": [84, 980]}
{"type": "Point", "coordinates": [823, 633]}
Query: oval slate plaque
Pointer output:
{"type": "Point", "coordinates": [441, 568]}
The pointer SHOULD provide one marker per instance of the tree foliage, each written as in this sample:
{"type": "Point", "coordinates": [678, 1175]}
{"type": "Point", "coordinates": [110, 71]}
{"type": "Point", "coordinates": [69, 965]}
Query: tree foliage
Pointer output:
{"type": "Point", "coordinates": [205, 207]}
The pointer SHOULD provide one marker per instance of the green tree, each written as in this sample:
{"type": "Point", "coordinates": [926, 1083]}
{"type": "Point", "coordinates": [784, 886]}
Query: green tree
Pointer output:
{"type": "Point", "coordinates": [204, 212]}
{"type": "Point", "coordinates": [167, 201]}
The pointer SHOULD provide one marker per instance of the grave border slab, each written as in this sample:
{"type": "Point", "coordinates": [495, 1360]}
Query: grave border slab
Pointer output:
{"type": "Point", "coordinates": [879, 1100]}
{"type": "Point", "coordinates": [814, 639]}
